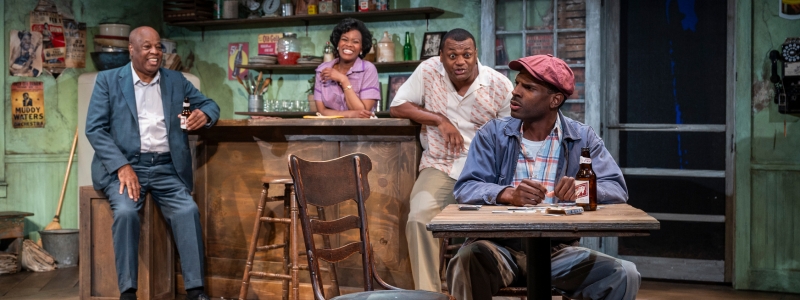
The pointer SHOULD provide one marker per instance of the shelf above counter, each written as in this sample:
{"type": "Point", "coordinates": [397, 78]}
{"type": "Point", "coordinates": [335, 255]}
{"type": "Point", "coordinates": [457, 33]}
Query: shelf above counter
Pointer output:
{"type": "Point", "coordinates": [398, 66]}
{"type": "Point", "coordinates": [318, 19]}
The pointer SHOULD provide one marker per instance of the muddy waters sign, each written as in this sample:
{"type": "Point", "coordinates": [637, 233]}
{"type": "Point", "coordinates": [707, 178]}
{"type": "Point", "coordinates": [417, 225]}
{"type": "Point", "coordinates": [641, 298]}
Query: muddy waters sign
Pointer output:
{"type": "Point", "coordinates": [27, 104]}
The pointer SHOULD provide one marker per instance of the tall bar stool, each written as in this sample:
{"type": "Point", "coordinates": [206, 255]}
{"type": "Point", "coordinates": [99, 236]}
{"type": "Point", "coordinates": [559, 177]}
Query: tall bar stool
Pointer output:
{"type": "Point", "coordinates": [291, 267]}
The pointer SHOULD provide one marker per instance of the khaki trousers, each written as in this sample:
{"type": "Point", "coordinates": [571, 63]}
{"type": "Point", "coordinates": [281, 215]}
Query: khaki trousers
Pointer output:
{"type": "Point", "coordinates": [432, 191]}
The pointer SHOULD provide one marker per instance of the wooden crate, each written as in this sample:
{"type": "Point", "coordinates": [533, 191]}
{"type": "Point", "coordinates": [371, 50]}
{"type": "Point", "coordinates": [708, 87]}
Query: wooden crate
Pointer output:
{"type": "Point", "coordinates": [572, 14]}
{"type": "Point", "coordinates": [98, 273]}
{"type": "Point", "coordinates": [572, 46]}
{"type": "Point", "coordinates": [188, 10]}
{"type": "Point", "coordinates": [12, 225]}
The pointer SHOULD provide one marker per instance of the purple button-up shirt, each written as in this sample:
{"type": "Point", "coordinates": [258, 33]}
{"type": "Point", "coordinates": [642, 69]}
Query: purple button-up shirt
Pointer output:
{"type": "Point", "coordinates": [363, 77]}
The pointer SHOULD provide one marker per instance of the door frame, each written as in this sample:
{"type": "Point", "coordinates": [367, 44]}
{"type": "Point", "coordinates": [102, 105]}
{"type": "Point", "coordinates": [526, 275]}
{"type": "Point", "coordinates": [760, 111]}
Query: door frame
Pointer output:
{"type": "Point", "coordinates": [682, 269]}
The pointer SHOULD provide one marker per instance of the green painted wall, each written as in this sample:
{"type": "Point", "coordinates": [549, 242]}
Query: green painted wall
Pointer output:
{"type": "Point", "coordinates": [767, 166]}
{"type": "Point", "coordinates": [211, 58]}
{"type": "Point", "coordinates": [36, 158]}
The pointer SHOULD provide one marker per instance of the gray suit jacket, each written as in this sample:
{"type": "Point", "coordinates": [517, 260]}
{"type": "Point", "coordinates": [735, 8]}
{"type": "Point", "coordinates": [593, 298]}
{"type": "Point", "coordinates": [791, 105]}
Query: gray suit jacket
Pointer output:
{"type": "Point", "coordinates": [112, 122]}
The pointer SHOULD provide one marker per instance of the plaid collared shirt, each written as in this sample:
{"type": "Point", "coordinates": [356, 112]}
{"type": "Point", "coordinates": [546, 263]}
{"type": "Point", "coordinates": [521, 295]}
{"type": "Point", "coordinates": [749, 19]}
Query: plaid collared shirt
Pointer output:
{"type": "Point", "coordinates": [542, 166]}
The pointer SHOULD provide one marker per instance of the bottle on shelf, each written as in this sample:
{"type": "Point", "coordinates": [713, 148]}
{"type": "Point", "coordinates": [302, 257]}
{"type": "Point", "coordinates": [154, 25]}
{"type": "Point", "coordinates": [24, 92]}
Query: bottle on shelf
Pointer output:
{"type": "Point", "coordinates": [407, 55]}
{"type": "Point", "coordinates": [218, 4]}
{"type": "Point", "coordinates": [586, 183]}
{"type": "Point", "coordinates": [386, 48]}
{"type": "Point", "coordinates": [327, 52]}
{"type": "Point", "coordinates": [185, 114]}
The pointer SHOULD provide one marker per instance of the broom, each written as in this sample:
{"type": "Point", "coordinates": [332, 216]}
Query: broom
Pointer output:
{"type": "Point", "coordinates": [55, 225]}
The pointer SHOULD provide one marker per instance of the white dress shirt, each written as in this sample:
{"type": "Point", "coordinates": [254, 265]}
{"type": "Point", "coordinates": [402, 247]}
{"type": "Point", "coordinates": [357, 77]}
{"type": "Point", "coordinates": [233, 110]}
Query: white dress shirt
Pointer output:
{"type": "Point", "coordinates": [150, 110]}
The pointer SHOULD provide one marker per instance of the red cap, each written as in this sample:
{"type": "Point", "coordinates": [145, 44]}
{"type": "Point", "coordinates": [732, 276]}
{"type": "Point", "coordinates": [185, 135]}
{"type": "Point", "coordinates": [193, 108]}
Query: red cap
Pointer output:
{"type": "Point", "coordinates": [549, 69]}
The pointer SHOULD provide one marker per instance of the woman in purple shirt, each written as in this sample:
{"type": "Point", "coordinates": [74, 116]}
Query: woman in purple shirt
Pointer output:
{"type": "Point", "coordinates": [348, 86]}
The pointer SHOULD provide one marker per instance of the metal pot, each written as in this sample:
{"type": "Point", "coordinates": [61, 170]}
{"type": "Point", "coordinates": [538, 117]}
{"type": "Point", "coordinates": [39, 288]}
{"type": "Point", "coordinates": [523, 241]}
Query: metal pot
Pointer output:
{"type": "Point", "coordinates": [115, 29]}
{"type": "Point", "coordinates": [112, 49]}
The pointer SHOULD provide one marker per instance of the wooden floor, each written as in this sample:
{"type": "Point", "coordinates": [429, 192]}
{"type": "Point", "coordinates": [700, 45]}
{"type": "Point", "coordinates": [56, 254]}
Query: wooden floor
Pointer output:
{"type": "Point", "coordinates": [63, 284]}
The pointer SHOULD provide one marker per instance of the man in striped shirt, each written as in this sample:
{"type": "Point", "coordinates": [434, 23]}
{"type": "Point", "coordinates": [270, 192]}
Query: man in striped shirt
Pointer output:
{"type": "Point", "coordinates": [452, 96]}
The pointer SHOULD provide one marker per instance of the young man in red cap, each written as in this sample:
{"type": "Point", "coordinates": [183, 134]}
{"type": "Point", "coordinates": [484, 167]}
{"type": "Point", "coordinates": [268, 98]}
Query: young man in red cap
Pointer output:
{"type": "Point", "coordinates": [530, 158]}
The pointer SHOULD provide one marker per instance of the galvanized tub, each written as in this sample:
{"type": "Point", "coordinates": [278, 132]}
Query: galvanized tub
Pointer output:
{"type": "Point", "coordinates": [62, 244]}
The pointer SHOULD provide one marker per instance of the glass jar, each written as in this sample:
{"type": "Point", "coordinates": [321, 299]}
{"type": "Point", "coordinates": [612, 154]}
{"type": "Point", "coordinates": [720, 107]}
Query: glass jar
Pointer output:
{"type": "Point", "coordinates": [346, 6]}
{"type": "Point", "coordinates": [386, 48]}
{"type": "Point", "coordinates": [288, 49]}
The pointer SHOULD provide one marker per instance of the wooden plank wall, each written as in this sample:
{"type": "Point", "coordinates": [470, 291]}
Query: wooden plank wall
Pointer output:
{"type": "Point", "coordinates": [775, 218]}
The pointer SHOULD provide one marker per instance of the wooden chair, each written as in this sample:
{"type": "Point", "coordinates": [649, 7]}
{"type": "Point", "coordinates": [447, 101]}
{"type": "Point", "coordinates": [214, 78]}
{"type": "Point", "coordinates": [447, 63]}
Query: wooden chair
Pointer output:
{"type": "Point", "coordinates": [291, 266]}
{"type": "Point", "coordinates": [327, 183]}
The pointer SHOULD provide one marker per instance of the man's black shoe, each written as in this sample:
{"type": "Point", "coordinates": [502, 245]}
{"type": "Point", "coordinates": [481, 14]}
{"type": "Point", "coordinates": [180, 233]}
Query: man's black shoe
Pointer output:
{"type": "Point", "coordinates": [127, 296]}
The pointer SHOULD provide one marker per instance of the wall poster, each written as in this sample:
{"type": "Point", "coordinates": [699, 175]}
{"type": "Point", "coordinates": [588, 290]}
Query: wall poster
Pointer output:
{"type": "Point", "coordinates": [27, 104]}
{"type": "Point", "coordinates": [75, 38]}
{"type": "Point", "coordinates": [789, 9]}
{"type": "Point", "coordinates": [237, 55]}
{"type": "Point", "coordinates": [25, 55]}
{"type": "Point", "coordinates": [50, 25]}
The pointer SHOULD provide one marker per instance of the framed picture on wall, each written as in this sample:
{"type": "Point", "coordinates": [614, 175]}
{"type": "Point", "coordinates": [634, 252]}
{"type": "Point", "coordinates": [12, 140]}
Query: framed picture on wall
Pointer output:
{"type": "Point", "coordinates": [395, 81]}
{"type": "Point", "coordinates": [430, 44]}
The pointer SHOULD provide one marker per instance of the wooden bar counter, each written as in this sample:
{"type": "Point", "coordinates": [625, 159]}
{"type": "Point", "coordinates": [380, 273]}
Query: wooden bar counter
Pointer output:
{"type": "Point", "coordinates": [230, 159]}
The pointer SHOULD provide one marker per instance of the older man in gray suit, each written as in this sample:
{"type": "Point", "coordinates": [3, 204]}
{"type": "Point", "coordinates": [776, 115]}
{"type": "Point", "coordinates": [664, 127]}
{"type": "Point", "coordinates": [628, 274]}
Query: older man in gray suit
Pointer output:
{"type": "Point", "coordinates": [133, 125]}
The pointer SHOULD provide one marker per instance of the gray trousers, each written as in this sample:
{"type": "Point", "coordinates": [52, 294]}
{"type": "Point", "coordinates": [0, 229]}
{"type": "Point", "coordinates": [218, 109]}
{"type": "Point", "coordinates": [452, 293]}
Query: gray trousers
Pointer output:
{"type": "Point", "coordinates": [158, 177]}
{"type": "Point", "coordinates": [480, 269]}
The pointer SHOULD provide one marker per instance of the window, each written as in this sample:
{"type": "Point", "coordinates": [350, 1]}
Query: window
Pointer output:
{"type": "Point", "coordinates": [563, 28]}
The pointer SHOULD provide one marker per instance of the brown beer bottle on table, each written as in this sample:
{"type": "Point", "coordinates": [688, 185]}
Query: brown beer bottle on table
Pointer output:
{"type": "Point", "coordinates": [586, 183]}
{"type": "Point", "coordinates": [185, 114]}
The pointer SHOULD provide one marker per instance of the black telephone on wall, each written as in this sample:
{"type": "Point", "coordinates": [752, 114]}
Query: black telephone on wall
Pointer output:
{"type": "Point", "coordinates": [787, 89]}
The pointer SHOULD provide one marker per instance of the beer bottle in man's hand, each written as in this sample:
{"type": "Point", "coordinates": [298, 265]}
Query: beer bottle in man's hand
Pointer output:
{"type": "Point", "coordinates": [185, 114]}
{"type": "Point", "coordinates": [586, 183]}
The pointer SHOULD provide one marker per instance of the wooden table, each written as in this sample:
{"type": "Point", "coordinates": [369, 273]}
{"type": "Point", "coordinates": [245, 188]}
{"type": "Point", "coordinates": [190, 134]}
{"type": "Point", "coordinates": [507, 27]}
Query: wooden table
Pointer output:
{"type": "Point", "coordinates": [537, 229]}
{"type": "Point", "coordinates": [12, 225]}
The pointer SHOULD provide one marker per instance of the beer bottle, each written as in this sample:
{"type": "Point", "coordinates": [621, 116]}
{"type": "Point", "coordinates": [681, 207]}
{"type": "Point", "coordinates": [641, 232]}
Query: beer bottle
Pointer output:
{"type": "Point", "coordinates": [407, 48]}
{"type": "Point", "coordinates": [185, 114]}
{"type": "Point", "coordinates": [586, 183]}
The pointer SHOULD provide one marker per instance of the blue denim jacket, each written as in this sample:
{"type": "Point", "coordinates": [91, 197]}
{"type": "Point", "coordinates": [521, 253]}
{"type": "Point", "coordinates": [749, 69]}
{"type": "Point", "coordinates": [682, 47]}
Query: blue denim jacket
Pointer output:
{"type": "Point", "coordinates": [492, 161]}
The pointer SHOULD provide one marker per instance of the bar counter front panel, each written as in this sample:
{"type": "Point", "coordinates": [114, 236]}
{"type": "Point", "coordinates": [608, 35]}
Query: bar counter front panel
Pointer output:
{"type": "Point", "coordinates": [230, 159]}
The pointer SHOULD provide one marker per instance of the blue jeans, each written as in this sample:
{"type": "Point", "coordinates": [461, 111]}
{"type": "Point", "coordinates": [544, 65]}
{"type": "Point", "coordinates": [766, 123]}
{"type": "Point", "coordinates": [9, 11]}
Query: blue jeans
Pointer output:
{"type": "Point", "coordinates": [158, 177]}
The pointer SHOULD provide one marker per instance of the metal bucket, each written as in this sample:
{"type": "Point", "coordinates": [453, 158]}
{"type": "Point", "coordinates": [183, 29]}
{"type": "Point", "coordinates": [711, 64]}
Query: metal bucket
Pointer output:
{"type": "Point", "coordinates": [62, 244]}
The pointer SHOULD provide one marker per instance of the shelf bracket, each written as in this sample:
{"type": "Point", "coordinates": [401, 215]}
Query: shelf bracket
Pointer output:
{"type": "Point", "coordinates": [427, 21]}
{"type": "Point", "coordinates": [306, 22]}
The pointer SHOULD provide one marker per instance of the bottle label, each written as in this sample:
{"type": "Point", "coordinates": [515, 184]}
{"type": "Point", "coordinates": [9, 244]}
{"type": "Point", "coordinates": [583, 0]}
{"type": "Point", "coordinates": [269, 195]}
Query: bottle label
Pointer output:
{"type": "Point", "coordinates": [586, 160]}
{"type": "Point", "coordinates": [582, 191]}
{"type": "Point", "coordinates": [183, 122]}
